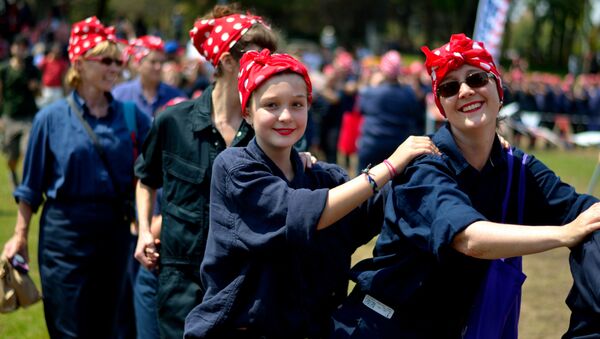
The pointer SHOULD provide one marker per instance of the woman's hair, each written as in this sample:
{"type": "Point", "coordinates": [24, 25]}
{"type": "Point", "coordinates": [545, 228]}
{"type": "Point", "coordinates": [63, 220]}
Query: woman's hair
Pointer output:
{"type": "Point", "coordinates": [108, 48]}
{"type": "Point", "coordinates": [258, 34]}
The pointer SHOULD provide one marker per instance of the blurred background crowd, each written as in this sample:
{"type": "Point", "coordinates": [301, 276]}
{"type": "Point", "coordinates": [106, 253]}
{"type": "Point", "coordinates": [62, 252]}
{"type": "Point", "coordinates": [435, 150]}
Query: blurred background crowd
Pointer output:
{"type": "Point", "coordinates": [553, 75]}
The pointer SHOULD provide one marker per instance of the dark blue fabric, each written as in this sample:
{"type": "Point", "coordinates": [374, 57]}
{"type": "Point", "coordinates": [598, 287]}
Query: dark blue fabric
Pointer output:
{"type": "Point", "coordinates": [62, 162]}
{"type": "Point", "coordinates": [132, 91]}
{"type": "Point", "coordinates": [178, 155]}
{"type": "Point", "coordinates": [144, 303]}
{"type": "Point", "coordinates": [584, 297]}
{"type": "Point", "coordinates": [391, 114]}
{"type": "Point", "coordinates": [496, 309]}
{"type": "Point", "coordinates": [414, 269]}
{"type": "Point", "coordinates": [266, 268]}
{"type": "Point", "coordinates": [82, 254]}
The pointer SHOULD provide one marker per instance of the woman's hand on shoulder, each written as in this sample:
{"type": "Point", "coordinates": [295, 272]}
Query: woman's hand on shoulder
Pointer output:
{"type": "Point", "coordinates": [411, 148]}
{"type": "Point", "coordinates": [307, 159]}
{"type": "Point", "coordinates": [585, 223]}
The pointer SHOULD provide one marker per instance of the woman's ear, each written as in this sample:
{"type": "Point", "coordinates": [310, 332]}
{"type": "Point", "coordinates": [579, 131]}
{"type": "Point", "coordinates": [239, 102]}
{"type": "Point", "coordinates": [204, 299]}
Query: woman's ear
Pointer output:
{"type": "Point", "coordinates": [77, 65]}
{"type": "Point", "coordinates": [228, 63]}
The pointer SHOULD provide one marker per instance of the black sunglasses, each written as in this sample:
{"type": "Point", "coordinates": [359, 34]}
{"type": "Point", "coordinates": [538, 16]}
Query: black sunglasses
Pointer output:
{"type": "Point", "coordinates": [474, 80]}
{"type": "Point", "coordinates": [107, 61]}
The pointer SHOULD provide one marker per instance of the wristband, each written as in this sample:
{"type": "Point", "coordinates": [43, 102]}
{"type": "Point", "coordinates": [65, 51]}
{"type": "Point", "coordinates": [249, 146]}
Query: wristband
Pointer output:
{"type": "Point", "coordinates": [370, 179]}
{"type": "Point", "coordinates": [390, 168]}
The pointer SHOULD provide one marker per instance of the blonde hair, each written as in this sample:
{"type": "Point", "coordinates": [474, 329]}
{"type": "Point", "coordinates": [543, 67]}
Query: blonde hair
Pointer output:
{"type": "Point", "coordinates": [108, 48]}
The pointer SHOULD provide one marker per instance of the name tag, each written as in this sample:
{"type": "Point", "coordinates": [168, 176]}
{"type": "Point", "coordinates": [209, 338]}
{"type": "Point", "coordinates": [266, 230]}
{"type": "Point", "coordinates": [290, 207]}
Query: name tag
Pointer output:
{"type": "Point", "coordinates": [378, 306]}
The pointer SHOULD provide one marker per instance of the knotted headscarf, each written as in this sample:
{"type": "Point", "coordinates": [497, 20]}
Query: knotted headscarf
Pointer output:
{"type": "Point", "coordinates": [256, 68]}
{"type": "Point", "coordinates": [140, 48]}
{"type": "Point", "coordinates": [86, 34]}
{"type": "Point", "coordinates": [213, 37]}
{"type": "Point", "coordinates": [459, 51]}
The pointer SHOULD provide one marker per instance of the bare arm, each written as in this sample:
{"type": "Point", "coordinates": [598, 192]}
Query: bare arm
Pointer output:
{"type": "Point", "coordinates": [145, 251]}
{"type": "Point", "coordinates": [342, 199]}
{"type": "Point", "coordinates": [489, 240]}
{"type": "Point", "coordinates": [18, 242]}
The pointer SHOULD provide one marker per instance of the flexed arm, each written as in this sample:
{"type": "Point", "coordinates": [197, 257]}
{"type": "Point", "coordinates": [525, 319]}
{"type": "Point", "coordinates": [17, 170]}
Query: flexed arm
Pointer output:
{"type": "Point", "coordinates": [489, 240]}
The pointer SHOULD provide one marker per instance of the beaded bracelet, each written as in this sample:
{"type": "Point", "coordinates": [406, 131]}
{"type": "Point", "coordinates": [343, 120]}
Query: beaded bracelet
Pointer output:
{"type": "Point", "coordinates": [370, 179]}
{"type": "Point", "coordinates": [390, 168]}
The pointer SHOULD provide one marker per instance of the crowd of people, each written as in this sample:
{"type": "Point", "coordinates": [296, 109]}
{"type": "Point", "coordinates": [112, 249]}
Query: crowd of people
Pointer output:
{"type": "Point", "coordinates": [182, 198]}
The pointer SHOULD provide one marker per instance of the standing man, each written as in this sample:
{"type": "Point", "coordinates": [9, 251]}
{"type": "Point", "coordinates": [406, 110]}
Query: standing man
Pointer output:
{"type": "Point", "coordinates": [147, 90]}
{"type": "Point", "coordinates": [19, 83]}
{"type": "Point", "coordinates": [178, 155]}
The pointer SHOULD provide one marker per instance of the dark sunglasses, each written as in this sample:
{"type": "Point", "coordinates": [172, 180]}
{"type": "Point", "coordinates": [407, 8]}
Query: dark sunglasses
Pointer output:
{"type": "Point", "coordinates": [107, 61]}
{"type": "Point", "coordinates": [474, 80]}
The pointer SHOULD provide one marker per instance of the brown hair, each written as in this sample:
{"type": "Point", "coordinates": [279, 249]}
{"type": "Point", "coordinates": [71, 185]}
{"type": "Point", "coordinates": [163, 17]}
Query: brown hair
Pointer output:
{"type": "Point", "coordinates": [258, 34]}
{"type": "Point", "coordinates": [108, 48]}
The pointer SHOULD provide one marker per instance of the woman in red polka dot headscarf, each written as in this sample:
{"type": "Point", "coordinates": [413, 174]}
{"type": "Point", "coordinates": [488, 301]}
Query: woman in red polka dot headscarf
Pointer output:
{"type": "Point", "coordinates": [448, 261]}
{"type": "Point", "coordinates": [80, 161]}
{"type": "Point", "coordinates": [281, 236]}
{"type": "Point", "coordinates": [190, 135]}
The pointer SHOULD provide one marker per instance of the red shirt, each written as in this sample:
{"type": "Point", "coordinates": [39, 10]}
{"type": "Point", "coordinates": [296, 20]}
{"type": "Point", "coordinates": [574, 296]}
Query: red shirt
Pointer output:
{"type": "Point", "coordinates": [53, 71]}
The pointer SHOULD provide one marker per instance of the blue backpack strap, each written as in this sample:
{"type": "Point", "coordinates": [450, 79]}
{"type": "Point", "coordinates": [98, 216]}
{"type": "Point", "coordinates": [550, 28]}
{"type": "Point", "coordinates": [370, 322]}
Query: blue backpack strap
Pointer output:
{"type": "Point", "coordinates": [129, 111]}
{"type": "Point", "coordinates": [130, 121]}
{"type": "Point", "coordinates": [521, 195]}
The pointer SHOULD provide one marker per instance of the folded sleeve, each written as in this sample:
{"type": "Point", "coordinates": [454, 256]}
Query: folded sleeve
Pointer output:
{"type": "Point", "coordinates": [148, 166]}
{"type": "Point", "coordinates": [270, 214]}
{"type": "Point", "coordinates": [547, 192]}
{"type": "Point", "coordinates": [36, 166]}
{"type": "Point", "coordinates": [428, 207]}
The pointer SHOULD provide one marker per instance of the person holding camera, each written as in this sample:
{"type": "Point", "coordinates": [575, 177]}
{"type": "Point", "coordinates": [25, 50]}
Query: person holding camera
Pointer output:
{"type": "Point", "coordinates": [80, 160]}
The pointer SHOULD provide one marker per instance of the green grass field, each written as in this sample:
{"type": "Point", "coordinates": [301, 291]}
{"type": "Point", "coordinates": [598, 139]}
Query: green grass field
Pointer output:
{"type": "Point", "coordinates": [543, 313]}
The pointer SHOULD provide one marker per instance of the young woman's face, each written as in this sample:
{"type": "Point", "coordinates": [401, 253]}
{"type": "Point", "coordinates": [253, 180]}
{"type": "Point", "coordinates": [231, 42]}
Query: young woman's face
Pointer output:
{"type": "Point", "coordinates": [278, 112]}
{"type": "Point", "coordinates": [471, 107]}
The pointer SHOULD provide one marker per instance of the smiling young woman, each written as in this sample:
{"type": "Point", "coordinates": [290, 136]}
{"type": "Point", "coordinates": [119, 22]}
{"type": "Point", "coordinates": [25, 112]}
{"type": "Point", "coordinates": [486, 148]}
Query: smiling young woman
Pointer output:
{"type": "Point", "coordinates": [455, 227]}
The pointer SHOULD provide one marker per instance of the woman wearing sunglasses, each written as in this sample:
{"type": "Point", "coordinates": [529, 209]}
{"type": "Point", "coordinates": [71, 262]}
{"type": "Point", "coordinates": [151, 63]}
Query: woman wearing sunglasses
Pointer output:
{"type": "Point", "coordinates": [80, 160]}
{"type": "Point", "coordinates": [448, 261]}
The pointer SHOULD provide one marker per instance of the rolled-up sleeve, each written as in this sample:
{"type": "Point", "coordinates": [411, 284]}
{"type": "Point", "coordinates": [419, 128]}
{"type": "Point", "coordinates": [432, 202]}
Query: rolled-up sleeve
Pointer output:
{"type": "Point", "coordinates": [271, 214]}
{"type": "Point", "coordinates": [148, 166]}
{"type": "Point", "coordinates": [35, 167]}
{"type": "Point", "coordinates": [429, 208]}
{"type": "Point", "coordinates": [559, 201]}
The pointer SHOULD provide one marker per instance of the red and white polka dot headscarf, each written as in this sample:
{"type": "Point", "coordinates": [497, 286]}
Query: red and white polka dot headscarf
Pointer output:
{"type": "Point", "coordinates": [213, 37]}
{"type": "Point", "coordinates": [459, 51]}
{"type": "Point", "coordinates": [86, 34]}
{"type": "Point", "coordinates": [256, 68]}
{"type": "Point", "coordinates": [140, 48]}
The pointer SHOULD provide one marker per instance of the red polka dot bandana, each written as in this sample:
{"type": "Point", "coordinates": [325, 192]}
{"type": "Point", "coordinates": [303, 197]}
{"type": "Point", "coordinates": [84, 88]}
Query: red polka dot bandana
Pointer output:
{"type": "Point", "coordinates": [213, 37]}
{"type": "Point", "coordinates": [256, 68]}
{"type": "Point", "coordinates": [86, 34]}
{"type": "Point", "coordinates": [459, 51]}
{"type": "Point", "coordinates": [140, 48]}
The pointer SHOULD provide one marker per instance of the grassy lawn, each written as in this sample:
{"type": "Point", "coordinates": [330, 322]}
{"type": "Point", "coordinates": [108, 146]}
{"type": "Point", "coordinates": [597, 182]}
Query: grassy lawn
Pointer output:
{"type": "Point", "coordinates": [544, 314]}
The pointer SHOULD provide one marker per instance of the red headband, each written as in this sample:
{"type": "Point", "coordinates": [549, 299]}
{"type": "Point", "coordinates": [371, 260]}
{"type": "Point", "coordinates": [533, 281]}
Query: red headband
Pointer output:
{"type": "Point", "coordinates": [140, 48]}
{"type": "Point", "coordinates": [86, 34]}
{"type": "Point", "coordinates": [459, 51]}
{"type": "Point", "coordinates": [256, 68]}
{"type": "Point", "coordinates": [213, 37]}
